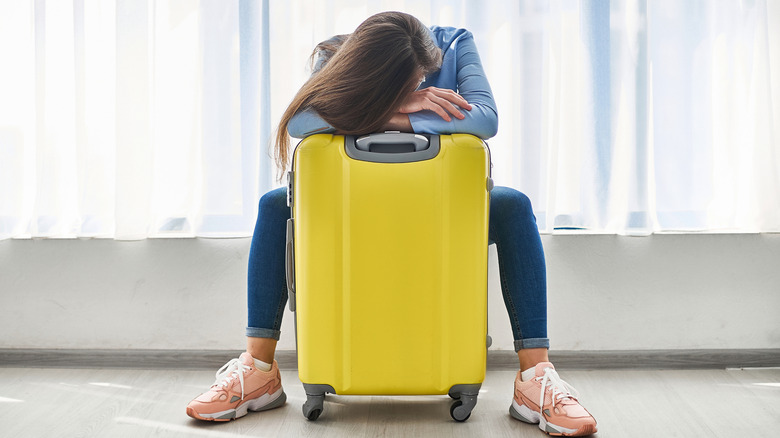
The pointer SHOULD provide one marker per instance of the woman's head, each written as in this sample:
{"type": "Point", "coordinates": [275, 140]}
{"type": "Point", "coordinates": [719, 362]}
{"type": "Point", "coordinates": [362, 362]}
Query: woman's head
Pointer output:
{"type": "Point", "coordinates": [365, 76]}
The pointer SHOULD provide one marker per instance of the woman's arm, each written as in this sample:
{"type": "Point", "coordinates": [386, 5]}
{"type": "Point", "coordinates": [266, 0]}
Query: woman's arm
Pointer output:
{"type": "Point", "coordinates": [308, 122]}
{"type": "Point", "coordinates": [472, 84]}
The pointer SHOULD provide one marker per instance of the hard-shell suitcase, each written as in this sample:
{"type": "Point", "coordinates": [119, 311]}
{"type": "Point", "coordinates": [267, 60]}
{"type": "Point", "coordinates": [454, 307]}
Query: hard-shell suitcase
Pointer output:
{"type": "Point", "coordinates": [387, 265]}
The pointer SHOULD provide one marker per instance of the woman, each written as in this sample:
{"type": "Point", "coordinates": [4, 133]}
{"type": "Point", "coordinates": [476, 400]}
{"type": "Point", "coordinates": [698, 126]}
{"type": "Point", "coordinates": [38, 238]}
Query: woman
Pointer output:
{"type": "Point", "coordinates": [393, 73]}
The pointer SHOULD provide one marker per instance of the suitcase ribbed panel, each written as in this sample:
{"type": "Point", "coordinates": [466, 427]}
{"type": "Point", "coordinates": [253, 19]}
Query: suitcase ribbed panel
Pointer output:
{"type": "Point", "coordinates": [391, 268]}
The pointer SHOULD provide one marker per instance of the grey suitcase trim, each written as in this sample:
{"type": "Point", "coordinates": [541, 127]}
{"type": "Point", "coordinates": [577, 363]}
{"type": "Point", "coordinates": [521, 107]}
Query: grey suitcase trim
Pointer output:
{"type": "Point", "coordinates": [392, 147]}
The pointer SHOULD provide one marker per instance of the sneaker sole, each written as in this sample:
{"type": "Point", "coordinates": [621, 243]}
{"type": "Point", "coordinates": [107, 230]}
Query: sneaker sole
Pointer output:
{"type": "Point", "coordinates": [527, 415]}
{"type": "Point", "coordinates": [262, 403]}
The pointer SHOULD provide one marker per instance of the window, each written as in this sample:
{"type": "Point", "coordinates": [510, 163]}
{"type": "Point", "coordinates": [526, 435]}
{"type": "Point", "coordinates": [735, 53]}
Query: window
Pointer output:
{"type": "Point", "coordinates": [131, 119]}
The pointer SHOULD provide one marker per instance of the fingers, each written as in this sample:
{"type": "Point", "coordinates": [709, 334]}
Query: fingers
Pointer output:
{"type": "Point", "coordinates": [451, 96]}
{"type": "Point", "coordinates": [439, 110]}
{"type": "Point", "coordinates": [446, 105]}
{"type": "Point", "coordinates": [443, 102]}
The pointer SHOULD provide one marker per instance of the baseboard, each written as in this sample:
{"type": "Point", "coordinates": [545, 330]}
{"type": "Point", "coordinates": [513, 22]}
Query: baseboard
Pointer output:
{"type": "Point", "coordinates": [497, 359]}
{"type": "Point", "coordinates": [650, 359]}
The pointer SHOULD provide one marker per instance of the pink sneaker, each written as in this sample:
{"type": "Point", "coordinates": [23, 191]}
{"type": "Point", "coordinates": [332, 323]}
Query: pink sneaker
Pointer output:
{"type": "Point", "coordinates": [240, 387]}
{"type": "Point", "coordinates": [558, 413]}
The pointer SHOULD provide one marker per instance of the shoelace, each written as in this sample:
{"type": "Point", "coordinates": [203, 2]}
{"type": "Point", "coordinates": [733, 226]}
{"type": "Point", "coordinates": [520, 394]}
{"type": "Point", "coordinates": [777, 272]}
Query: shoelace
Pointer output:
{"type": "Point", "coordinates": [559, 388]}
{"type": "Point", "coordinates": [230, 370]}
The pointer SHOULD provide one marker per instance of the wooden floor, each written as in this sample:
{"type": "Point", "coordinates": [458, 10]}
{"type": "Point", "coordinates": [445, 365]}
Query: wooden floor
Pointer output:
{"type": "Point", "coordinates": [627, 403]}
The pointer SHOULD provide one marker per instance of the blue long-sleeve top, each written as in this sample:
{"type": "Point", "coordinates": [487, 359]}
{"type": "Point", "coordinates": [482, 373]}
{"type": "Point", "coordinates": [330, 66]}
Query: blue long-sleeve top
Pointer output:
{"type": "Point", "coordinates": [461, 71]}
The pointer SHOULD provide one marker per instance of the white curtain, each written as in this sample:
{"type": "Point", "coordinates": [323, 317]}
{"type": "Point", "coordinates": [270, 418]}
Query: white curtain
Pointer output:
{"type": "Point", "coordinates": [132, 118]}
{"type": "Point", "coordinates": [645, 116]}
{"type": "Point", "coordinates": [152, 118]}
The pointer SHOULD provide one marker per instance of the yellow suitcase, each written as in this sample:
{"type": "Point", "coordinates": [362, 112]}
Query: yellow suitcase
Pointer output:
{"type": "Point", "coordinates": [387, 265]}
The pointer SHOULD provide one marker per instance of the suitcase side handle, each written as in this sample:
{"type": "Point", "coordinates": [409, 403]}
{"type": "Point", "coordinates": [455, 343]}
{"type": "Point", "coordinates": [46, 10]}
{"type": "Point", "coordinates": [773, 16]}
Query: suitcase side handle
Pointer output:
{"type": "Point", "coordinates": [392, 147]}
{"type": "Point", "coordinates": [289, 264]}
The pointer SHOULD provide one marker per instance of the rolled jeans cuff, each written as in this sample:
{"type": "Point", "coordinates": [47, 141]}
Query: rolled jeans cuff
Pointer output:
{"type": "Point", "coordinates": [521, 344]}
{"type": "Point", "coordinates": [254, 332]}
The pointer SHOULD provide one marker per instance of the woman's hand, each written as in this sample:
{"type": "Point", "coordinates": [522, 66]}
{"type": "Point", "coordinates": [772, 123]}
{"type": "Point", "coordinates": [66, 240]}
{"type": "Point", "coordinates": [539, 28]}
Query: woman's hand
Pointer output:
{"type": "Point", "coordinates": [439, 100]}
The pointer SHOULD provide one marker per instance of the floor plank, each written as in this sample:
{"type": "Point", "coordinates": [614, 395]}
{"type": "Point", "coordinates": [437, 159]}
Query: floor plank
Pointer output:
{"type": "Point", "coordinates": [37, 402]}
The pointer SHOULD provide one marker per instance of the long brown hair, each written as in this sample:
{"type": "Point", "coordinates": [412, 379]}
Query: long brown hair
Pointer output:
{"type": "Point", "coordinates": [365, 78]}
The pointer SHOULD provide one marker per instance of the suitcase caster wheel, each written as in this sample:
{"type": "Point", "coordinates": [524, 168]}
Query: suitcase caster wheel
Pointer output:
{"type": "Point", "coordinates": [313, 407]}
{"type": "Point", "coordinates": [458, 412]}
{"type": "Point", "coordinates": [464, 403]}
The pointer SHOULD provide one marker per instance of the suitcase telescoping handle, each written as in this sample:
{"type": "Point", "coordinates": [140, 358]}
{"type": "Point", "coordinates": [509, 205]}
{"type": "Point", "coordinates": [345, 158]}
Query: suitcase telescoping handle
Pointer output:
{"type": "Point", "coordinates": [392, 147]}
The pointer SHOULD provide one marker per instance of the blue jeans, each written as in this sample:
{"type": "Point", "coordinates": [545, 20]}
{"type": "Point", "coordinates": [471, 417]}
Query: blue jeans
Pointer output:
{"type": "Point", "coordinates": [512, 228]}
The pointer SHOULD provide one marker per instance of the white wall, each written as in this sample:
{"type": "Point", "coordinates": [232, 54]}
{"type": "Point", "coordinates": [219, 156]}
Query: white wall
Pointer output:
{"type": "Point", "coordinates": [605, 293]}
